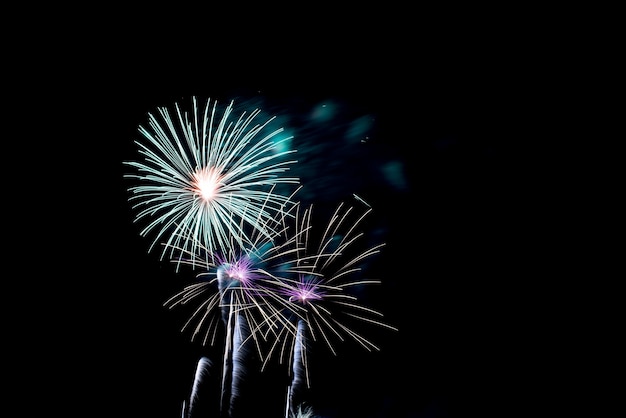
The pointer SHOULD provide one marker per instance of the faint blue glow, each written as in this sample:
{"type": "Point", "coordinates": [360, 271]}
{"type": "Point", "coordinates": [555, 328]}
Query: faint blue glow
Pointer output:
{"type": "Point", "coordinates": [283, 142]}
{"type": "Point", "coordinates": [359, 128]}
{"type": "Point", "coordinates": [324, 112]}
{"type": "Point", "coordinates": [393, 172]}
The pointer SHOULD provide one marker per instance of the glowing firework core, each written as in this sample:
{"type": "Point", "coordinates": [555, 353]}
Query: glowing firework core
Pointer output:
{"type": "Point", "coordinates": [206, 182]}
{"type": "Point", "coordinates": [237, 273]}
{"type": "Point", "coordinates": [240, 270]}
{"type": "Point", "coordinates": [305, 291]}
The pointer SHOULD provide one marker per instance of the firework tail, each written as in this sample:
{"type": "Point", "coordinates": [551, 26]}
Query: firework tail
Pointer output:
{"type": "Point", "coordinates": [299, 381]}
{"type": "Point", "coordinates": [202, 392]}
{"type": "Point", "coordinates": [226, 310]}
{"type": "Point", "coordinates": [236, 351]}
{"type": "Point", "coordinates": [240, 356]}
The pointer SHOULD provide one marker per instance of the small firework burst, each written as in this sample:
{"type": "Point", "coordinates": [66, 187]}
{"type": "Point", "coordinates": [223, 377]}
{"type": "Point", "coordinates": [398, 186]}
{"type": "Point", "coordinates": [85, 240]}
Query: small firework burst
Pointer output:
{"type": "Point", "coordinates": [305, 290]}
{"type": "Point", "coordinates": [302, 412]}
{"type": "Point", "coordinates": [319, 298]}
{"type": "Point", "coordinates": [204, 176]}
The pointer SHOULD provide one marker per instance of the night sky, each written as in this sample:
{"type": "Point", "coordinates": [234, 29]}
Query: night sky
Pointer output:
{"type": "Point", "coordinates": [411, 120]}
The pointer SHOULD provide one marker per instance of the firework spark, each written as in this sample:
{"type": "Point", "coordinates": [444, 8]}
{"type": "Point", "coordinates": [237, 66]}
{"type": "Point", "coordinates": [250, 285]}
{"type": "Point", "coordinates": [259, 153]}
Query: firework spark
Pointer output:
{"type": "Point", "coordinates": [204, 177]}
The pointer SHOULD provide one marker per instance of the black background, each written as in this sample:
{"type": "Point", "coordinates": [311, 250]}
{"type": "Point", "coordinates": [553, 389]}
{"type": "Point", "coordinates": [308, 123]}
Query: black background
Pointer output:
{"type": "Point", "coordinates": [437, 82]}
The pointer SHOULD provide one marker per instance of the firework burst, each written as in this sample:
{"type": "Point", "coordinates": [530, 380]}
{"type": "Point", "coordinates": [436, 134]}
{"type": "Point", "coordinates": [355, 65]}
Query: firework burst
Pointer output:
{"type": "Point", "coordinates": [205, 177]}
{"type": "Point", "coordinates": [332, 261]}
{"type": "Point", "coordinates": [320, 305]}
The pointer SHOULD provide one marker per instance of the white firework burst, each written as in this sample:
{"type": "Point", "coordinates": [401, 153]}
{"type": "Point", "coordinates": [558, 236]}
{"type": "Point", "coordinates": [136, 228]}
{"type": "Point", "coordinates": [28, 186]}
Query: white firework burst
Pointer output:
{"type": "Point", "coordinates": [204, 177]}
{"type": "Point", "coordinates": [319, 297]}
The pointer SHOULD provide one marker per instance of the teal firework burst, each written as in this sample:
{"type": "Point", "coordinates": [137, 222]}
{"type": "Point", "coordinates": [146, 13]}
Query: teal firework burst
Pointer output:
{"type": "Point", "coordinates": [206, 177]}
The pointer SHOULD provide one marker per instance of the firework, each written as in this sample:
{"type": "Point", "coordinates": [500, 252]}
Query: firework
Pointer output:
{"type": "Point", "coordinates": [320, 306]}
{"type": "Point", "coordinates": [205, 177]}
{"type": "Point", "coordinates": [211, 190]}
{"type": "Point", "coordinates": [332, 262]}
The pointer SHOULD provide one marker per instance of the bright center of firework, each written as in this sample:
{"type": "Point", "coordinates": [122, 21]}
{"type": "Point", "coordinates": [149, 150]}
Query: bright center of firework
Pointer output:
{"type": "Point", "coordinates": [237, 274]}
{"type": "Point", "coordinates": [306, 295]}
{"type": "Point", "coordinates": [304, 291]}
{"type": "Point", "coordinates": [206, 182]}
{"type": "Point", "coordinates": [240, 270]}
